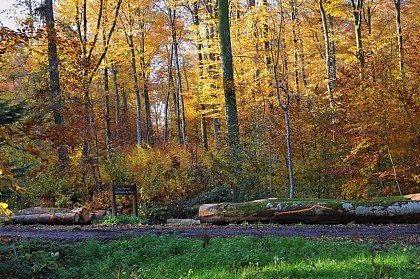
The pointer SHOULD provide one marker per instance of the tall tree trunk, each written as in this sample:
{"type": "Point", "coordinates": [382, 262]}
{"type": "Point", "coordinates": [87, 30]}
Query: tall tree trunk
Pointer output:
{"type": "Point", "coordinates": [148, 117]}
{"type": "Point", "coordinates": [107, 116]}
{"type": "Point", "coordinates": [228, 82]}
{"type": "Point", "coordinates": [125, 114]}
{"type": "Point", "coordinates": [212, 71]}
{"type": "Point", "coordinates": [397, 4]}
{"type": "Point", "coordinates": [289, 154]}
{"type": "Point", "coordinates": [293, 6]}
{"type": "Point", "coordinates": [170, 90]}
{"type": "Point", "coordinates": [203, 124]}
{"type": "Point", "coordinates": [177, 93]}
{"type": "Point", "coordinates": [62, 151]}
{"type": "Point", "coordinates": [369, 27]}
{"type": "Point", "coordinates": [357, 6]}
{"type": "Point", "coordinates": [117, 103]}
{"type": "Point", "coordinates": [136, 88]}
{"type": "Point", "coordinates": [278, 51]}
{"type": "Point", "coordinates": [180, 97]}
{"type": "Point", "coordinates": [329, 56]}
{"type": "Point", "coordinates": [302, 62]}
{"type": "Point", "coordinates": [266, 48]}
{"type": "Point", "coordinates": [88, 73]}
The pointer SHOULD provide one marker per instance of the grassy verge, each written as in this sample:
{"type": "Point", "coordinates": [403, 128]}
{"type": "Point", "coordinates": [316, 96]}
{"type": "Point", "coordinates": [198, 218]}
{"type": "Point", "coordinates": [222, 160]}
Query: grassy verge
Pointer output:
{"type": "Point", "coordinates": [239, 257]}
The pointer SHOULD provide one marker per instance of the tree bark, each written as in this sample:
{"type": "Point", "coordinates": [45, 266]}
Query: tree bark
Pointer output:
{"type": "Point", "coordinates": [293, 6]}
{"type": "Point", "coordinates": [329, 55]}
{"type": "Point", "coordinates": [357, 6]}
{"type": "Point", "coordinates": [107, 116]}
{"type": "Point", "coordinates": [117, 103]}
{"type": "Point", "coordinates": [125, 114]}
{"type": "Point", "coordinates": [397, 4]}
{"type": "Point", "coordinates": [369, 27]}
{"type": "Point", "coordinates": [51, 216]}
{"type": "Point", "coordinates": [147, 118]}
{"type": "Point", "coordinates": [136, 88]}
{"type": "Point", "coordinates": [176, 94]}
{"type": "Point", "coordinates": [228, 82]}
{"type": "Point", "coordinates": [179, 95]}
{"type": "Point", "coordinates": [62, 151]}
{"type": "Point", "coordinates": [312, 211]}
{"type": "Point", "coordinates": [199, 45]}
{"type": "Point", "coordinates": [278, 50]}
{"type": "Point", "coordinates": [90, 67]}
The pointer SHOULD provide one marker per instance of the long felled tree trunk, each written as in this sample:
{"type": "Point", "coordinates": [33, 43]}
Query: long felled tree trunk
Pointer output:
{"type": "Point", "coordinates": [55, 81]}
{"type": "Point", "coordinates": [312, 211]}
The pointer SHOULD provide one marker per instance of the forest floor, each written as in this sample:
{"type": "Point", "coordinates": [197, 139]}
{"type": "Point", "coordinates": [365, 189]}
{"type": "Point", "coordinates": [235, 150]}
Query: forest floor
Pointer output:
{"type": "Point", "coordinates": [382, 233]}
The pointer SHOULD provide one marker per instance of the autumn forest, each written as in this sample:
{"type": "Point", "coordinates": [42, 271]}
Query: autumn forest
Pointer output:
{"type": "Point", "coordinates": [201, 101]}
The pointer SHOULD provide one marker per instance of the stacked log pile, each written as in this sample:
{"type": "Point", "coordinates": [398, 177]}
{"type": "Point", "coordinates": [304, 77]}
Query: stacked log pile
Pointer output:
{"type": "Point", "coordinates": [51, 216]}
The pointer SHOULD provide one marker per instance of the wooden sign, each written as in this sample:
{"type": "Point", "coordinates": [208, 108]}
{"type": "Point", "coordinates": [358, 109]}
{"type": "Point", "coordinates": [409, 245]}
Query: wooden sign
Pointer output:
{"type": "Point", "coordinates": [126, 190]}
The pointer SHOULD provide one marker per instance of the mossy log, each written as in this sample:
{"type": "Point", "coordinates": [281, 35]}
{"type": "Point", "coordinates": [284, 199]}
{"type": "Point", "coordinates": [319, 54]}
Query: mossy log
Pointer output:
{"type": "Point", "coordinates": [51, 216]}
{"type": "Point", "coordinates": [312, 211]}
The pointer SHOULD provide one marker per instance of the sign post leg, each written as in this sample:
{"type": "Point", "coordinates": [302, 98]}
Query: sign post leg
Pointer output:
{"type": "Point", "coordinates": [135, 202]}
{"type": "Point", "coordinates": [113, 201]}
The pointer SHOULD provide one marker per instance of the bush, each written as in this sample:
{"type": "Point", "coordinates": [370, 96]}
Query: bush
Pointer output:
{"type": "Point", "coordinates": [121, 219]}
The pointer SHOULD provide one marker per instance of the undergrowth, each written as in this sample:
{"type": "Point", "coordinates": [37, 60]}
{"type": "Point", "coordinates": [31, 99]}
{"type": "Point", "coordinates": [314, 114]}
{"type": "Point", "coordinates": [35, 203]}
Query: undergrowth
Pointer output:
{"type": "Point", "coordinates": [239, 257]}
{"type": "Point", "coordinates": [121, 219]}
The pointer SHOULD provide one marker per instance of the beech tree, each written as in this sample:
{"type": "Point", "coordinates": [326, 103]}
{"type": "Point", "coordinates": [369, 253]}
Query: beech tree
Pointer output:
{"type": "Point", "coordinates": [55, 80]}
{"type": "Point", "coordinates": [357, 6]}
{"type": "Point", "coordinates": [228, 82]}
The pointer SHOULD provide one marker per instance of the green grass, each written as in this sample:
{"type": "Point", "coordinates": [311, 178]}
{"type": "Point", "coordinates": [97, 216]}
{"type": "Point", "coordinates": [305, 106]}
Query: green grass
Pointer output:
{"type": "Point", "coordinates": [176, 257]}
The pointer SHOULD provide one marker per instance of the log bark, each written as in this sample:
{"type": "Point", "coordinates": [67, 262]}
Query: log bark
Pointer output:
{"type": "Point", "coordinates": [51, 216]}
{"type": "Point", "coordinates": [312, 211]}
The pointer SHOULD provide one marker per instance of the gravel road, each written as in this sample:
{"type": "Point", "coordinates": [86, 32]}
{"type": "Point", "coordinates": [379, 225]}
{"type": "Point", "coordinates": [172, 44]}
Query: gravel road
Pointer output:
{"type": "Point", "coordinates": [394, 233]}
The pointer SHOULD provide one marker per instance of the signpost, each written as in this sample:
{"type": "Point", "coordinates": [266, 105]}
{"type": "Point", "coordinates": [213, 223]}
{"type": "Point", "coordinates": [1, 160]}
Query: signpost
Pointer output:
{"type": "Point", "coordinates": [126, 190]}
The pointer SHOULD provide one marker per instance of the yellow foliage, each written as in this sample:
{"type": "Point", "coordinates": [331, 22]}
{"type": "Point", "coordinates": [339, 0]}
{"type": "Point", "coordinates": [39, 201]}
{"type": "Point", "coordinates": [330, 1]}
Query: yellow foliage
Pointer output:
{"type": "Point", "coordinates": [4, 209]}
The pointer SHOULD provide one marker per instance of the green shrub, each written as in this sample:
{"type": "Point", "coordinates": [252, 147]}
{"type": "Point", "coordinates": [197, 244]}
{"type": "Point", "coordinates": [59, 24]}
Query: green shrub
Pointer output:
{"type": "Point", "coordinates": [121, 219]}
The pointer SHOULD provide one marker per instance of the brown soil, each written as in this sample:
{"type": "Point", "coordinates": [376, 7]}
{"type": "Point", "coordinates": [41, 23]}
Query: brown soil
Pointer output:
{"type": "Point", "coordinates": [391, 233]}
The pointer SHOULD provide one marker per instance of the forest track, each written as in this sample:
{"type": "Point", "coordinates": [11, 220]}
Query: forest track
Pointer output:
{"type": "Point", "coordinates": [390, 233]}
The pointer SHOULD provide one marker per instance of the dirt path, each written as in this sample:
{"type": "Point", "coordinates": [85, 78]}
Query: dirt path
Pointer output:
{"type": "Point", "coordinates": [396, 233]}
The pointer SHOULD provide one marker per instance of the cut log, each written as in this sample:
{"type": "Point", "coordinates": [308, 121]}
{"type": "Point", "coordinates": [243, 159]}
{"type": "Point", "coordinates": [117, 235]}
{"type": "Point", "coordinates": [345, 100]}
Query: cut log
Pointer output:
{"type": "Point", "coordinates": [51, 216]}
{"type": "Point", "coordinates": [41, 210]}
{"type": "Point", "coordinates": [413, 197]}
{"type": "Point", "coordinates": [312, 211]}
{"type": "Point", "coordinates": [57, 218]}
